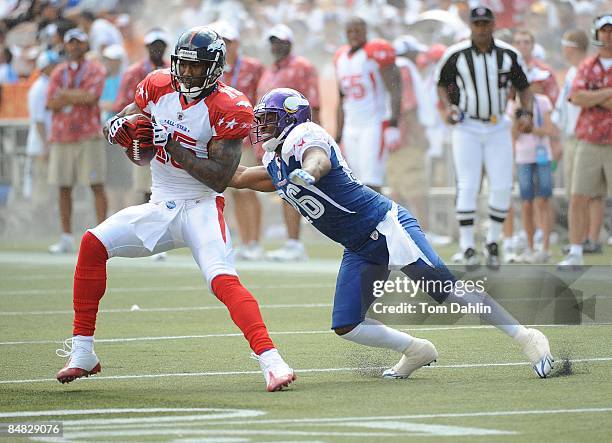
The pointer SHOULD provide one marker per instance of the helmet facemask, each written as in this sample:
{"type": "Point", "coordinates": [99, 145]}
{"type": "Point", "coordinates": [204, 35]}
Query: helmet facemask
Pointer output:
{"type": "Point", "coordinates": [276, 115]}
{"type": "Point", "coordinates": [194, 86]}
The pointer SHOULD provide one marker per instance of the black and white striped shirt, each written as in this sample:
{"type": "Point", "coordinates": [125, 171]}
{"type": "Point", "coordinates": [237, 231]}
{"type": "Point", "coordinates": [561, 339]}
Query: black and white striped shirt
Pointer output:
{"type": "Point", "coordinates": [479, 82]}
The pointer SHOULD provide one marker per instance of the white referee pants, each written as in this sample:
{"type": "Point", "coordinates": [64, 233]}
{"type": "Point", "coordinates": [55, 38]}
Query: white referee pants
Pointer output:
{"type": "Point", "coordinates": [475, 145]}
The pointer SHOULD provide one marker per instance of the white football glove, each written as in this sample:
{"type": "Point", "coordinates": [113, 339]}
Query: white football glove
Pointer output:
{"type": "Point", "coordinates": [160, 134]}
{"type": "Point", "coordinates": [301, 178]}
{"type": "Point", "coordinates": [115, 124]}
{"type": "Point", "coordinates": [392, 138]}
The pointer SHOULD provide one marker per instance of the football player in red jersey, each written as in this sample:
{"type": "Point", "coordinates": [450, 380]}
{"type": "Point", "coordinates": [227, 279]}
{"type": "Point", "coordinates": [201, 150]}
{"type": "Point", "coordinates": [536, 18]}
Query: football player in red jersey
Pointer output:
{"type": "Point", "coordinates": [198, 127]}
{"type": "Point", "coordinates": [370, 101]}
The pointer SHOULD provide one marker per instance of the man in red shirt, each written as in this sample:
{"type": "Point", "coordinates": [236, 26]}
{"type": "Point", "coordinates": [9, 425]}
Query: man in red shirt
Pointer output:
{"type": "Point", "coordinates": [243, 73]}
{"type": "Point", "coordinates": [156, 42]}
{"type": "Point", "coordinates": [290, 71]}
{"type": "Point", "coordinates": [592, 91]}
{"type": "Point", "coordinates": [77, 153]}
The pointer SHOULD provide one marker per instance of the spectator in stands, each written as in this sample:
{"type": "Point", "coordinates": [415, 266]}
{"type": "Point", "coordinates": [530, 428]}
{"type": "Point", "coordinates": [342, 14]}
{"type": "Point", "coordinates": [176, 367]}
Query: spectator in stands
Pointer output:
{"type": "Point", "coordinates": [289, 71]}
{"type": "Point", "coordinates": [156, 41]}
{"type": "Point", "coordinates": [524, 41]}
{"type": "Point", "coordinates": [244, 73]}
{"type": "Point", "coordinates": [119, 171]}
{"type": "Point", "coordinates": [533, 156]}
{"type": "Point", "coordinates": [101, 32]}
{"type": "Point", "coordinates": [37, 147]}
{"type": "Point", "coordinates": [7, 72]}
{"type": "Point", "coordinates": [406, 170]}
{"type": "Point", "coordinates": [533, 55]}
{"type": "Point", "coordinates": [77, 154]}
{"type": "Point", "coordinates": [575, 45]}
{"type": "Point", "coordinates": [592, 91]}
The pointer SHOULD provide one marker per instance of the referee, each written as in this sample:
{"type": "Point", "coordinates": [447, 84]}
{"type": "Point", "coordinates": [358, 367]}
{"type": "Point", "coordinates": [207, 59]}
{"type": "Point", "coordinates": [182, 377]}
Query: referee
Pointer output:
{"type": "Point", "coordinates": [475, 78]}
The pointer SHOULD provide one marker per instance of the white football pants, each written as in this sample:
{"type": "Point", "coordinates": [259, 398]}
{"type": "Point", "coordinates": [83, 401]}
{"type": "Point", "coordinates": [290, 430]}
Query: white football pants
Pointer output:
{"type": "Point", "coordinates": [151, 228]}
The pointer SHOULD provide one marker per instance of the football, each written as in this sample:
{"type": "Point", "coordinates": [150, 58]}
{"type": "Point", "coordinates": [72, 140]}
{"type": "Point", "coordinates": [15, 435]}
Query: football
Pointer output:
{"type": "Point", "coordinates": [141, 150]}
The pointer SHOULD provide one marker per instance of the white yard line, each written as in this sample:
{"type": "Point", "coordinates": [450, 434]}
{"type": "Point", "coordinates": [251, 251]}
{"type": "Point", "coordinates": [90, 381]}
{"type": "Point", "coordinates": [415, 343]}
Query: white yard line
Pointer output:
{"type": "Point", "coordinates": [298, 371]}
{"type": "Point", "coordinates": [175, 309]}
{"type": "Point", "coordinates": [236, 334]}
{"type": "Point", "coordinates": [160, 288]}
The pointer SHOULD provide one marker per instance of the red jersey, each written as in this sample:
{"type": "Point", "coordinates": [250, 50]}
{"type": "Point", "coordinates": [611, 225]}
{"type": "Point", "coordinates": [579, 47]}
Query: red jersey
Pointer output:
{"type": "Point", "coordinates": [79, 122]}
{"type": "Point", "coordinates": [594, 123]}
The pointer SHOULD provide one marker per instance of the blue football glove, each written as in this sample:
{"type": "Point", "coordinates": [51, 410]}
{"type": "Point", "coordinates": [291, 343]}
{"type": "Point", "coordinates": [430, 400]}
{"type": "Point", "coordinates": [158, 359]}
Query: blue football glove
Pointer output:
{"type": "Point", "coordinates": [301, 178]}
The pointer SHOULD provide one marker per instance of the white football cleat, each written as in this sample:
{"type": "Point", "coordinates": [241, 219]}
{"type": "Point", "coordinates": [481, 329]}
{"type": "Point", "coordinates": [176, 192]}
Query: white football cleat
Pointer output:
{"type": "Point", "coordinates": [537, 349]}
{"type": "Point", "coordinates": [419, 353]}
{"type": "Point", "coordinates": [66, 245]}
{"type": "Point", "coordinates": [289, 252]}
{"type": "Point", "coordinates": [277, 373]}
{"type": "Point", "coordinates": [81, 363]}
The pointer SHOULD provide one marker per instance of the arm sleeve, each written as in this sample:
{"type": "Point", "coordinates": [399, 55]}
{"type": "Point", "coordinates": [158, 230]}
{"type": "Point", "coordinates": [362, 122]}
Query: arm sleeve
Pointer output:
{"type": "Point", "coordinates": [381, 52]}
{"type": "Point", "coordinates": [310, 140]}
{"type": "Point", "coordinates": [446, 72]}
{"type": "Point", "coordinates": [142, 97]}
{"type": "Point", "coordinates": [517, 72]}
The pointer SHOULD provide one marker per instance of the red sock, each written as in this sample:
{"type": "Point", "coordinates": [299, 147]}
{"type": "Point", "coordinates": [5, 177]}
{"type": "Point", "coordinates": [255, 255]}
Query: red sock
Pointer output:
{"type": "Point", "coordinates": [89, 284]}
{"type": "Point", "coordinates": [244, 310]}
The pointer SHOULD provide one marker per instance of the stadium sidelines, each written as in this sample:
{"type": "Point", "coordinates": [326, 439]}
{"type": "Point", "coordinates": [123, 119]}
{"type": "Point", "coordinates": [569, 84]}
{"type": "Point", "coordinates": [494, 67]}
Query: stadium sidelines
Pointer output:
{"type": "Point", "coordinates": [318, 266]}
{"type": "Point", "coordinates": [298, 371]}
{"type": "Point", "coordinates": [237, 334]}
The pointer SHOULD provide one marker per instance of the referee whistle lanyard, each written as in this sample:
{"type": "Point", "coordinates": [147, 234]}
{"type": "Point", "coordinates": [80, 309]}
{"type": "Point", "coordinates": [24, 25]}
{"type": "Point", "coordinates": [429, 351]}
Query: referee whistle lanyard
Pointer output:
{"type": "Point", "coordinates": [78, 78]}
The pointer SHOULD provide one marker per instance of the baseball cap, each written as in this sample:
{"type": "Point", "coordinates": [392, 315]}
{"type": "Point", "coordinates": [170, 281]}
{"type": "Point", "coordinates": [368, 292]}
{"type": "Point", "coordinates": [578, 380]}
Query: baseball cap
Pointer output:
{"type": "Point", "coordinates": [481, 14]}
{"type": "Point", "coordinates": [45, 59]}
{"type": "Point", "coordinates": [408, 43]}
{"type": "Point", "coordinates": [114, 52]}
{"type": "Point", "coordinates": [281, 32]}
{"type": "Point", "coordinates": [156, 34]}
{"type": "Point", "coordinates": [75, 34]}
{"type": "Point", "coordinates": [225, 30]}
{"type": "Point", "coordinates": [603, 21]}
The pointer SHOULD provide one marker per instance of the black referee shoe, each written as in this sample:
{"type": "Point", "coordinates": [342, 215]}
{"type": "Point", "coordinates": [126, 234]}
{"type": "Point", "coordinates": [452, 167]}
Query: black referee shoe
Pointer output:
{"type": "Point", "coordinates": [492, 253]}
{"type": "Point", "coordinates": [470, 258]}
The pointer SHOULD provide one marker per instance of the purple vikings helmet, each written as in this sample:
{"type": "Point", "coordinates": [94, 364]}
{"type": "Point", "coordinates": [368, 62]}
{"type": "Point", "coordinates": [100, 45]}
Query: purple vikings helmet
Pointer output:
{"type": "Point", "coordinates": [276, 114]}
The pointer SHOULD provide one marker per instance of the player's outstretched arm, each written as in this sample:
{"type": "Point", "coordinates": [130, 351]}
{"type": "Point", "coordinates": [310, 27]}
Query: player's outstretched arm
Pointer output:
{"type": "Point", "coordinates": [217, 170]}
{"type": "Point", "coordinates": [315, 161]}
{"type": "Point", "coordinates": [255, 178]}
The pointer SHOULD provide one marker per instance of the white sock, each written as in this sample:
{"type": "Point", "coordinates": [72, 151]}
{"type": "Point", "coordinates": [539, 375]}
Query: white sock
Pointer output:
{"type": "Point", "coordinates": [508, 244]}
{"type": "Point", "coordinates": [466, 237]}
{"type": "Point", "coordinates": [498, 317]}
{"type": "Point", "coordinates": [84, 342]}
{"type": "Point", "coordinates": [494, 231]}
{"type": "Point", "coordinates": [373, 333]}
{"type": "Point", "coordinates": [576, 250]}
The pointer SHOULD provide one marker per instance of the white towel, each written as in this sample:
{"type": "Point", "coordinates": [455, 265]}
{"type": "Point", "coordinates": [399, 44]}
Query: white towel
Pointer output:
{"type": "Point", "coordinates": [402, 249]}
{"type": "Point", "coordinates": [151, 226]}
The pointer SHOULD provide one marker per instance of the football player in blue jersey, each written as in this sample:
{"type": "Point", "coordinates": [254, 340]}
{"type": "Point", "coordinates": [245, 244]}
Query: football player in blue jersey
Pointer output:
{"type": "Point", "coordinates": [304, 165]}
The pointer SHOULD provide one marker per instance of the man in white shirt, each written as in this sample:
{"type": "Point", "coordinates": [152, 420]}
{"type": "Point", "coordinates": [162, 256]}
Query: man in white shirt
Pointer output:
{"type": "Point", "coordinates": [37, 147]}
{"type": "Point", "coordinates": [102, 33]}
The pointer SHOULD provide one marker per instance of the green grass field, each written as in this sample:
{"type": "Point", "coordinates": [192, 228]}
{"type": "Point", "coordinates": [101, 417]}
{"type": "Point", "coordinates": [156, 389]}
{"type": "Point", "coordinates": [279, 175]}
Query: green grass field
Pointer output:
{"type": "Point", "coordinates": [179, 370]}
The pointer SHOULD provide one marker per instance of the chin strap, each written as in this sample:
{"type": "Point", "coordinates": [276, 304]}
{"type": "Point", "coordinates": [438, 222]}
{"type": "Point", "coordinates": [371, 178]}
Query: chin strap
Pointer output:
{"type": "Point", "coordinates": [271, 144]}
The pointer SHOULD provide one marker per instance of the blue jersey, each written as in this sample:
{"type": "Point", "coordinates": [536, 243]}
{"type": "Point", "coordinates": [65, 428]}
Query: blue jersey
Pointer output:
{"type": "Point", "coordinates": [338, 205]}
